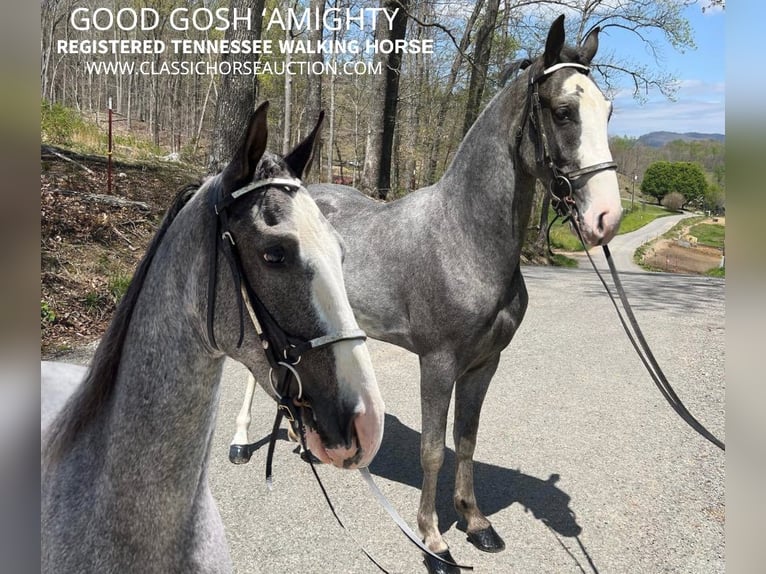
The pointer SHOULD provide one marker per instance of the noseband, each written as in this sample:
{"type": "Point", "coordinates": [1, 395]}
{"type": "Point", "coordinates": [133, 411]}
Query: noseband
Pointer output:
{"type": "Point", "coordinates": [283, 350]}
{"type": "Point", "coordinates": [562, 184]}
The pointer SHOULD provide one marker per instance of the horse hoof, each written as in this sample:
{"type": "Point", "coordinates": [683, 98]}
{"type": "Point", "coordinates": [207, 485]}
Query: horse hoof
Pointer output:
{"type": "Point", "coordinates": [239, 453]}
{"type": "Point", "coordinates": [436, 567]}
{"type": "Point", "coordinates": [486, 540]}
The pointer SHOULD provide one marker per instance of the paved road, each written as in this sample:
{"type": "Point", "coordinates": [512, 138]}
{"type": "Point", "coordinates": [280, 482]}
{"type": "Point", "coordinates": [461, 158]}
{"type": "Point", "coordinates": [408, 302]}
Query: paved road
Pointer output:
{"type": "Point", "coordinates": [581, 465]}
{"type": "Point", "coordinates": [623, 246]}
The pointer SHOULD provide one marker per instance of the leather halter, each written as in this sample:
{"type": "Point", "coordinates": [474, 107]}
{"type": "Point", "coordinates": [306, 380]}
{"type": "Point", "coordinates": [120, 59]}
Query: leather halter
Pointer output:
{"type": "Point", "coordinates": [283, 350]}
{"type": "Point", "coordinates": [562, 184]}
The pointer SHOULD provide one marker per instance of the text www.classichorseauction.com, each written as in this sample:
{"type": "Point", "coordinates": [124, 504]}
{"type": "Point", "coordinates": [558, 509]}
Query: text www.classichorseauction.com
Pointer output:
{"type": "Point", "coordinates": [351, 56]}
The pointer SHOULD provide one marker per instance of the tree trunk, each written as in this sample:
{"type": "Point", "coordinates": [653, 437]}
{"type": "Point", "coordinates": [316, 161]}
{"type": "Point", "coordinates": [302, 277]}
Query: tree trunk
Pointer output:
{"type": "Point", "coordinates": [368, 179]}
{"type": "Point", "coordinates": [391, 97]}
{"type": "Point", "coordinates": [482, 51]}
{"type": "Point", "coordinates": [541, 241]}
{"type": "Point", "coordinates": [236, 99]}
{"type": "Point", "coordinates": [441, 114]}
{"type": "Point", "coordinates": [287, 112]}
{"type": "Point", "coordinates": [314, 96]}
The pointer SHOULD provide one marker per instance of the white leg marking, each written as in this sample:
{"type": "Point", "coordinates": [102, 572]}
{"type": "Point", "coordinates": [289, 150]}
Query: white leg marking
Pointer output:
{"type": "Point", "coordinates": [243, 418]}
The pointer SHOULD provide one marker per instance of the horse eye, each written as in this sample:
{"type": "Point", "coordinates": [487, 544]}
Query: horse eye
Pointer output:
{"type": "Point", "coordinates": [561, 113]}
{"type": "Point", "coordinates": [274, 256]}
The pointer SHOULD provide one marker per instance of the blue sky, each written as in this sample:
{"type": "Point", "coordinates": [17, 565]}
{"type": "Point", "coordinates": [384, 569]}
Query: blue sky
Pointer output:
{"type": "Point", "coordinates": [699, 104]}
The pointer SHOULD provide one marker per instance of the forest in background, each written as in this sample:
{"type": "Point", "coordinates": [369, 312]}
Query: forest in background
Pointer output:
{"type": "Point", "coordinates": [387, 133]}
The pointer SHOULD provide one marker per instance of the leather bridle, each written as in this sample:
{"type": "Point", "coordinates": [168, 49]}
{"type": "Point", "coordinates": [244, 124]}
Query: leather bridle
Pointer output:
{"type": "Point", "coordinates": [282, 349]}
{"type": "Point", "coordinates": [562, 185]}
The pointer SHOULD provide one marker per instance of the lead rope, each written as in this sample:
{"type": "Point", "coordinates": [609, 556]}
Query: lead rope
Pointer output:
{"type": "Point", "coordinates": [403, 526]}
{"type": "Point", "coordinates": [642, 347]}
{"type": "Point", "coordinates": [294, 415]}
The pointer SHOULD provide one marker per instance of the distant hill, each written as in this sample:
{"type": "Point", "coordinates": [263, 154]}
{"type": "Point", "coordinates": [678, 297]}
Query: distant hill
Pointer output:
{"type": "Point", "coordinates": [659, 139]}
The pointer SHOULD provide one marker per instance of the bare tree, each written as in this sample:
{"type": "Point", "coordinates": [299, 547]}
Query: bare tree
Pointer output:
{"type": "Point", "coordinates": [314, 93]}
{"type": "Point", "coordinates": [391, 99]}
{"type": "Point", "coordinates": [368, 179]}
{"type": "Point", "coordinates": [237, 96]}
{"type": "Point", "coordinates": [481, 53]}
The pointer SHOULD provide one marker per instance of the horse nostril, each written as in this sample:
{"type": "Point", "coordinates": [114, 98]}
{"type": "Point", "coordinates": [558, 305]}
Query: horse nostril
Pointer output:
{"type": "Point", "coordinates": [600, 225]}
{"type": "Point", "coordinates": [350, 431]}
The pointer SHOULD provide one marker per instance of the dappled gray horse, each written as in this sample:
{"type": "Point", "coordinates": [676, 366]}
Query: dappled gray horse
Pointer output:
{"type": "Point", "coordinates": [125, 443]}
{"type": "Point", "coordinates": [437, 272]}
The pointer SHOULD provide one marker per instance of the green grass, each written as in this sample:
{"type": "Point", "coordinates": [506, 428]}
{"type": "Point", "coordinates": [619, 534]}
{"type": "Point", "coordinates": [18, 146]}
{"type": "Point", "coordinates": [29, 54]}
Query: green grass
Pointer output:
{"type": "Point", "coordinates": [563, 261]}
{"type": "Point", "coordinates": [640, 215]}
{"type": "Point", "coordinates": [717, 272]}
{"type": "Point", "coordinates": [709, 234]}
{"type": "Point", "coordinates": [562, 238]}
{"type": "Point", "coordinates": [93, 301]}
{"type": "Point", "coordinates": [675, 231]}
{"type": "Point", "coordinates": [118, 285]}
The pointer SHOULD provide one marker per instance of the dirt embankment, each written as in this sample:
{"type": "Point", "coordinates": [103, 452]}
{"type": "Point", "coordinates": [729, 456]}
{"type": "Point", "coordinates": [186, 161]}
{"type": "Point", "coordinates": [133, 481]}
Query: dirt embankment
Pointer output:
{"type": "Point", "coordinates": [682, 254]}
{"type": "Point", "coordinates": [91, 242]}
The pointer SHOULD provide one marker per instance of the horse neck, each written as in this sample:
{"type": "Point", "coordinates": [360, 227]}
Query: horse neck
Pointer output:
{"type": "Point", "coordinates": [489, 189]}
{"type": "Point", "coordinates": [161, 416]}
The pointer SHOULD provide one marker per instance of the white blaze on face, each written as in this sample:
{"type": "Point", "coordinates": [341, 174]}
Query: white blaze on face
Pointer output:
{"type": "Point", "coordinates": [602, 209]}
{"type": "Point", "coordinates": [356, 377]}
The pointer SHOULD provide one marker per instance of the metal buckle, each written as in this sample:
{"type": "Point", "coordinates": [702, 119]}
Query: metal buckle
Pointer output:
{"type": "Point", "coordinates": [288, 414]}
{"type": "Point", "coordinates": [226, 235]}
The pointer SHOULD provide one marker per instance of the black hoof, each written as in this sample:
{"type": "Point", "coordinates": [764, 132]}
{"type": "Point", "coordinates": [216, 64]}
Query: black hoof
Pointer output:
{"type": "Point", "coordinates": [486, 540]}
{"type": "Point", "coordinates": [240, 453]}
{"type": "Point", "coordinates": [436, 567]}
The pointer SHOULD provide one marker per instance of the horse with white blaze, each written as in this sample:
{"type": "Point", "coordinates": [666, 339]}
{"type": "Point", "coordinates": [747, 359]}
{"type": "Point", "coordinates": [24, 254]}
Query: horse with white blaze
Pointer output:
{"type": "Point", "coordinates": [244, 266]}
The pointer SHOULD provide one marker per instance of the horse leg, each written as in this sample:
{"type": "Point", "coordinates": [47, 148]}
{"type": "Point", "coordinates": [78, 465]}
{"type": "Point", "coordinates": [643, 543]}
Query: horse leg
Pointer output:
{"type": "Point", "coordinates": [470, 390]}
{"type": "Point", "coordinates": [437, 376]}
{"type": "Point", "coordinates": [239, 449]}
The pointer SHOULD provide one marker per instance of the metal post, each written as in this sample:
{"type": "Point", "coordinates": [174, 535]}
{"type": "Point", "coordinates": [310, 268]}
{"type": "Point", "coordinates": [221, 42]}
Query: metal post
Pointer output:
{"type": "Point", "coordinates": [633, 193]}
{"type": "Point", "coordinates": [109, 153]}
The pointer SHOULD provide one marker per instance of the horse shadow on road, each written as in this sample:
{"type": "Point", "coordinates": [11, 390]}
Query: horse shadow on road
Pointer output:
{"type": "Point", "coordinates": [496, 487]}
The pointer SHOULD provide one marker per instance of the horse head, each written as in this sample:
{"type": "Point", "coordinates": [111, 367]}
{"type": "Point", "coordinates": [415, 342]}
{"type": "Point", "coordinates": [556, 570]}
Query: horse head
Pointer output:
{"type": "Point", "coordinates": [566, 144]}
{"type": "Point", "coordinates": [290, 262]}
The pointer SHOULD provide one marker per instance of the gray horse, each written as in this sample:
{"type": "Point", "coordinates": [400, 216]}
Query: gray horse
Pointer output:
{"type": "Point", "coordinates": [437, 272]}
{"type": "Point", "coordinates": [125, 443]}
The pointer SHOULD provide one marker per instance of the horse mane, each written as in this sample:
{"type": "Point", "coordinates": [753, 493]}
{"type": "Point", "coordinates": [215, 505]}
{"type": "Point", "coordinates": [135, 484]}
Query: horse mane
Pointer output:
{"type": "Point", "coordinates": [97, 388]}
{"type": "Point", "coordinates": [514, 68]}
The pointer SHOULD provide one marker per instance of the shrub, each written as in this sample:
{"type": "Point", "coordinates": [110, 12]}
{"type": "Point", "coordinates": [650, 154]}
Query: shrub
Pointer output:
{"type": "Point", "coordinates": [47, 314]}
{"type": "Point", "coordinates": [58, 124]}
{"type": "Point", "coordinates": [673, 201]}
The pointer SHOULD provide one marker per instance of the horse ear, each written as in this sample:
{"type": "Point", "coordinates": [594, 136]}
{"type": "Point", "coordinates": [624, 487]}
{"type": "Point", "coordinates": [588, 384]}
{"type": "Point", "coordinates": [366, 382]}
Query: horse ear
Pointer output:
{"type": "Point", "coordinates": [590, 45]}
{"type": "Point", "coordinates": [299, 160]}
{"type": "Point", "coordinates": [241, 168]}
{"type": "Point", "coordinates": [554, 43]}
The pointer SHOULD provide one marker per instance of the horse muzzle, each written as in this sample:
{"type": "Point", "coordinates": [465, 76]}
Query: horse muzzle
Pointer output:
{"type": "Point", "coordinates": [361, 440]}
{"type": "Point", "coordinates": [600, 219]}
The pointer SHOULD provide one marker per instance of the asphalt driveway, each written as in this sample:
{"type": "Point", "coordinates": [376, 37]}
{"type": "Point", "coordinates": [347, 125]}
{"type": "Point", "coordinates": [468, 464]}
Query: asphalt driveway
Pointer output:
{"type": "Point", "coordinates": [581, 466]}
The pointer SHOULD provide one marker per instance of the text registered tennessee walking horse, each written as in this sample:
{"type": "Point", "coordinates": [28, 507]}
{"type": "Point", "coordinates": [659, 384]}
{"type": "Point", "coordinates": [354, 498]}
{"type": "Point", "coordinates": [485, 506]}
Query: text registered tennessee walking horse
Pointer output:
{"type": "Point", "coordinates": [437, 272]}
{"type": "Point", "coordinates": [244, 266]}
